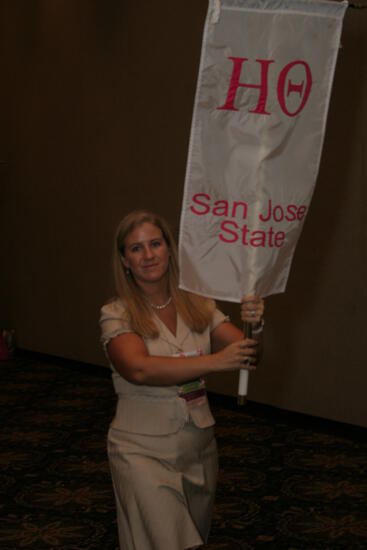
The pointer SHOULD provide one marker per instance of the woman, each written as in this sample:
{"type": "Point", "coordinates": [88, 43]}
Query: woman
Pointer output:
{"type": "Point", "coordinates": [160, 342]}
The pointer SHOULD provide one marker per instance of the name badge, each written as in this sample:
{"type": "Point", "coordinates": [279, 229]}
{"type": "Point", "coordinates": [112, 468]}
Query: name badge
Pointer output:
{"type": "Point", "coordinates": [194, 391]}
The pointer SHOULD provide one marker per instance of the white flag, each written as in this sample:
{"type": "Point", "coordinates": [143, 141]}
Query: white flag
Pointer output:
{"type": "Point", "coordinates": [258, 126]}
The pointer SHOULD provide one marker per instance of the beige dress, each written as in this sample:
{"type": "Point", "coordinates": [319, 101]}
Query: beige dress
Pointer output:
{"type": "Point", "coordinates": [162, 451]}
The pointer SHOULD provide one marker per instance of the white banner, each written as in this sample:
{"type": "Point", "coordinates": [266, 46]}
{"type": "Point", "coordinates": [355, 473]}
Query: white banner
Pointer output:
{"type": "Point", "coordinates": [258, 126]}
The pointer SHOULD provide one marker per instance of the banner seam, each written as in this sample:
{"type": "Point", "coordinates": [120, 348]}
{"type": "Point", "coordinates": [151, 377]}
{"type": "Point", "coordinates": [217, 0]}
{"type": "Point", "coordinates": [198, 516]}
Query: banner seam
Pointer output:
{"type": "Point", "coordinates": [193, 125]}
{"type": "Point", "coordinates": [284, 12]}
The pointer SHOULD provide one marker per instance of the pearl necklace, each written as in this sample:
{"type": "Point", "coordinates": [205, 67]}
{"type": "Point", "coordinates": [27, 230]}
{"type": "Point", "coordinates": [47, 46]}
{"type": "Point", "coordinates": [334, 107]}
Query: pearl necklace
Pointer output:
{"type": "Point", "coordinates": [163, 306]}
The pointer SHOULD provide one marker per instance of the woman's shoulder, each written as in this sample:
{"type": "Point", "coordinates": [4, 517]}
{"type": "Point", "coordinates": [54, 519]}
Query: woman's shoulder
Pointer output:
{"type": "Point", "coordinates": [114, 308]}
{"type": "Point", "coordinates": [113, 320]}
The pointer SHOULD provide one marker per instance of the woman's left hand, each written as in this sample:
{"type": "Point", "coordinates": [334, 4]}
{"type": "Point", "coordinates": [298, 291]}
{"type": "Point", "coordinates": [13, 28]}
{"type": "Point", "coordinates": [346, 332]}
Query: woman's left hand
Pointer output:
{"type": "Point", "coordinates": [252, 309]}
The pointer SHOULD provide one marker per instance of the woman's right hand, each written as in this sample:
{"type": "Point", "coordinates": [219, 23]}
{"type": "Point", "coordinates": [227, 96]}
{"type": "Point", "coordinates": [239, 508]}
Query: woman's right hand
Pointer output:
{"type": "Point", "coordinates": [241, 354]}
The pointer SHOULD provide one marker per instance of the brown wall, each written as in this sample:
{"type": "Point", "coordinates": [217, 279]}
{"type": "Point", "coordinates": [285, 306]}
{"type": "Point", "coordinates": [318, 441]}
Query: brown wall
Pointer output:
{"type": "Point", "coordinates": [96, 104]}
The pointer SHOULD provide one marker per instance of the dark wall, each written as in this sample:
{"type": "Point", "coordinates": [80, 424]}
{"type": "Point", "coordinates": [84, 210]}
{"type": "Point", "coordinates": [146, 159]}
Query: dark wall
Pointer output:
{"type": "Point", "coordinates": [96, 105]}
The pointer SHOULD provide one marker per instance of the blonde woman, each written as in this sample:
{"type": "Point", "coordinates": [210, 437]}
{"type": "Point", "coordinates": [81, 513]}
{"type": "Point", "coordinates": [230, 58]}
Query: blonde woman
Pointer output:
{"type": "Point", "coordinates": [161, 341]}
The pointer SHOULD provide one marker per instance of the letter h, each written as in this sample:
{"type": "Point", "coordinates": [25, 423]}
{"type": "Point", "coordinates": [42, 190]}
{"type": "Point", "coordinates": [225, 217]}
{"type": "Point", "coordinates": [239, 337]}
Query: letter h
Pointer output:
{"type": "Point", "coordinates": [235, 84]}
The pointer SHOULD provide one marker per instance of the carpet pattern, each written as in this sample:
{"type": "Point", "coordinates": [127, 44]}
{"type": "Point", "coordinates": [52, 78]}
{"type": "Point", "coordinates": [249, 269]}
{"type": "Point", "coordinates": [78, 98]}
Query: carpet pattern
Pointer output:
{"type": "Point", "coordinates": [286, 481]}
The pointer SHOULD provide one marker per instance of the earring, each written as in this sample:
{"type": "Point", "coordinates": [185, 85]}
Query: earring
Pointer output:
{"type": "Point", "coordinates": [127, 271]}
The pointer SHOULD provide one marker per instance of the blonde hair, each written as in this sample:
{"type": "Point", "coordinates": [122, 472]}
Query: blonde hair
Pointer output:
{"type": "Point", "coordinates": [195, 310]}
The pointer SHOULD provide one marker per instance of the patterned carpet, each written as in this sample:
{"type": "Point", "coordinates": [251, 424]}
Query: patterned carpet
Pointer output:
{"type": "Point", "coordinates": [286, 481]}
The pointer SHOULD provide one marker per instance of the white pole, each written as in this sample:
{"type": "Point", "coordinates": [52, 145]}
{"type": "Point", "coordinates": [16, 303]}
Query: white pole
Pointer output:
{"type": "Point", "coordinates": [244, 374]}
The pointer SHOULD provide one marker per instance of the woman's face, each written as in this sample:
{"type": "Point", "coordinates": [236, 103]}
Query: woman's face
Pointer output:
{"type": "Point", "coordinates": [146, 254]}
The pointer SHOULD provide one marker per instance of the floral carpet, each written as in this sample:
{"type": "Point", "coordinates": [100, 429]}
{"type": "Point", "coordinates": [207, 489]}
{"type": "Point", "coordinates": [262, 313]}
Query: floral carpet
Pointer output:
{"type": "Point", "coordinates": [286, 481]}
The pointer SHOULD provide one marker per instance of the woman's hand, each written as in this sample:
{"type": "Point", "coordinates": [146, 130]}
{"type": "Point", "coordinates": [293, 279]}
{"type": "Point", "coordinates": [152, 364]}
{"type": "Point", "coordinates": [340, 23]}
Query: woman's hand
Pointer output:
{"type": "Point", "coordinates": [239, 355]}
{"type": "Point", "coordinates": [252, 309]}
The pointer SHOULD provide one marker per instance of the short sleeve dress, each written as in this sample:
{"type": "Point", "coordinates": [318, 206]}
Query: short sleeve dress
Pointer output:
{"type": "Point", "coordinates": [161, 447]}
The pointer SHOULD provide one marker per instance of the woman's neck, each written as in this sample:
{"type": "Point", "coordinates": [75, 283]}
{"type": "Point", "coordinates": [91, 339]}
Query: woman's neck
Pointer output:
{"type": "Point", "coordinates": [156, 293]}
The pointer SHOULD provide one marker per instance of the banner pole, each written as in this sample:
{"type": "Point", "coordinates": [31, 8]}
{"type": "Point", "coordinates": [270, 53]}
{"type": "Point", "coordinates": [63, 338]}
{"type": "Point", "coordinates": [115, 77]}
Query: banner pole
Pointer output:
{"type": "Point", "coordinates": [244, 374]}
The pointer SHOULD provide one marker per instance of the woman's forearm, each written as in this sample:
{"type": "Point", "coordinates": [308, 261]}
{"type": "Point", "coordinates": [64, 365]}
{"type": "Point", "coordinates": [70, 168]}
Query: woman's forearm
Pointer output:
{"type": "Point", "coordinates": [154, 370]}
{"type": "Point", "coordinates": [130, 358]}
